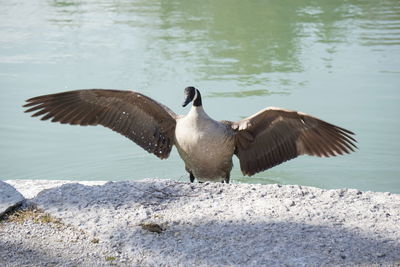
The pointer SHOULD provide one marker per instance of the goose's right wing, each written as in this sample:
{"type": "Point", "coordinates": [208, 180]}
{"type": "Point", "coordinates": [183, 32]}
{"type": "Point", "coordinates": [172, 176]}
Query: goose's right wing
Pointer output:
{"type": "Point", "coordinates": [148, 123]}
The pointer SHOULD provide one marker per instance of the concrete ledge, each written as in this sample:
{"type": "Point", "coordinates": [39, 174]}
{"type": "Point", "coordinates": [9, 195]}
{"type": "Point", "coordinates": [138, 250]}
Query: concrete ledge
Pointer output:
{"type": "Point", "coordinates": [9, 198]}
{"type": "Point", "coordinates": [164, 222]}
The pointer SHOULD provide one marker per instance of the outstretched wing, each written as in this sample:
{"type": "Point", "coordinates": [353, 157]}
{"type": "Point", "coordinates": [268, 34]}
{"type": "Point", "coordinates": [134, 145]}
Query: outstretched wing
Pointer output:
{"type": "Point", "coordinates": [148, 123]}
{"type": "Point", "coordinates": [274, 135]}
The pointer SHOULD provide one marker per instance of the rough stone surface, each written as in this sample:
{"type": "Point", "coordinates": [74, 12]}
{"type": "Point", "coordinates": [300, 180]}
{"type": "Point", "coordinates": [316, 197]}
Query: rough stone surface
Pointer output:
{"type": "Point", "coordinates": [214, 225]}
{"type": "Point", "coordinates": [30, 188]}
{"type": "Point", "coordinates": [9, 198]}
{"type": "Point", "coordinates": [33, 243]}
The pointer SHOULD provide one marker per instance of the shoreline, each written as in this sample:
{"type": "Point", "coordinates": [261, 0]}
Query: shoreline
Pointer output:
{"type": "Point", "coordinates": [154, 221]}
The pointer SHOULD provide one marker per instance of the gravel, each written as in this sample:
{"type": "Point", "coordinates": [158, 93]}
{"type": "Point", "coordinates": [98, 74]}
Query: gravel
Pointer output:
{"type": "Point", "coordinates": [168, 223]}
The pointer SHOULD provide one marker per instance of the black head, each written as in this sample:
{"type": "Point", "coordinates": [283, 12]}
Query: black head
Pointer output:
{"type": "Point", "coordinates": [192, 94]}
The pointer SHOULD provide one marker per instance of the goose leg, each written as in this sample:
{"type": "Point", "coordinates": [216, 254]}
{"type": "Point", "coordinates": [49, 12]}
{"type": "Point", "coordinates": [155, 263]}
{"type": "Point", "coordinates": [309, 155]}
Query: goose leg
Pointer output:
{"type": "Point", "coordinates": [191, 177]}
{"type": "Point", "coordinates": [227, 178]}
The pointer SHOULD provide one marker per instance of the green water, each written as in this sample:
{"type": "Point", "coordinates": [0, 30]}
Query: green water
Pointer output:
{"type": "Point", "coordinates": [337, 60]}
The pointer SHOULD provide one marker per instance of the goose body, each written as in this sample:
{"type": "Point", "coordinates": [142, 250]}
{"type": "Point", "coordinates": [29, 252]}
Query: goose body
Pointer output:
{"type": "Point", "coordinates": [261, 141]}
{"type": "Point", "coordinates": [205, 145]}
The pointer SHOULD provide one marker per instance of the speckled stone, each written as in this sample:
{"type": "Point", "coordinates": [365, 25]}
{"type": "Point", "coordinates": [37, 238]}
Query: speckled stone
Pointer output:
{"type": "Point", "coordinates": [9, 197]}
{"type": "Point", "coordinates": [156, 222]}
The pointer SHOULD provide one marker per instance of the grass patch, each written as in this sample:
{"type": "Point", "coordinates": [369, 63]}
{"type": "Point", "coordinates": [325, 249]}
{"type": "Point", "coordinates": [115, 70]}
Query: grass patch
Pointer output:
{"type": "Point", "coordinates": [31, 214]}
{"type": "Point", "coordinates": [152, 227]}
{"type": "Point", "coordinates": [95, 241]}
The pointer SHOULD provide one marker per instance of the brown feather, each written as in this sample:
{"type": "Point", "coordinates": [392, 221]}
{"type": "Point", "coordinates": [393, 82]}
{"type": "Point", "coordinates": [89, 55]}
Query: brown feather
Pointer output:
{"type": "Point", "coordinates": [129, 113]}
{"type": "Point", "coordinates": [280, 135]}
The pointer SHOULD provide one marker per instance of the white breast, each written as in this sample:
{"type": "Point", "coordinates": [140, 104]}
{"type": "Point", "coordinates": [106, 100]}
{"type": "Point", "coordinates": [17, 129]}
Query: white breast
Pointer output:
{"type": "Point", "coordinates": [205, 145]}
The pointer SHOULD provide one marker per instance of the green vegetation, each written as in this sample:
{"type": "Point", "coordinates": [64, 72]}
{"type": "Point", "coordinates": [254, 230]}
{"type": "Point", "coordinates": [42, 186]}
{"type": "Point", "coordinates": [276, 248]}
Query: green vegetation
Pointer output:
{"type": "Point", "coordinates": [110, 258]}
{"type": "Point", "coordinates": [31, 214]}
{"type": "Point", "coordinates": [152, 227]}
{"type": "Point", "coordinates": [95, 241]}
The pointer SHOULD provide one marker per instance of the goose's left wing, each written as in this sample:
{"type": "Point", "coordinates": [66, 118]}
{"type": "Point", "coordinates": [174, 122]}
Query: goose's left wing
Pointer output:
{"type": "Point", "coordinates": [274, 135]}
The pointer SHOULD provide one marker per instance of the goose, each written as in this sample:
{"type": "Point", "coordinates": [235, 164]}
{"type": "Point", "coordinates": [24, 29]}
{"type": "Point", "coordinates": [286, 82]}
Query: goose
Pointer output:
{"type": "Point", "coordinates": [260, 141]}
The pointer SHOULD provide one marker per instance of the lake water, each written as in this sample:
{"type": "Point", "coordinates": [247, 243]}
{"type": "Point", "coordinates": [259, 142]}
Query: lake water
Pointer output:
{"type": "Point", "coordinates": [336, 60]}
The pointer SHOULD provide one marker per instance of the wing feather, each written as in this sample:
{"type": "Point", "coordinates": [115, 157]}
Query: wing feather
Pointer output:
{"type": "Point", "coordinates": [148, 123]}
{"type": "Point", "coordinates": [273, 136]}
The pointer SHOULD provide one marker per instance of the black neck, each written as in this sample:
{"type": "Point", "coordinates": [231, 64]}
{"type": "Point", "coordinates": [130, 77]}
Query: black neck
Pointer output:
{"type": "Point", "coordinates": [197, 100]}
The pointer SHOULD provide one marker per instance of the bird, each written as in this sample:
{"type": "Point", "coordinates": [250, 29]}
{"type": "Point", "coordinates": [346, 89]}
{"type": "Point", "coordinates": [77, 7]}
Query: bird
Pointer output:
{"type": "Point", "coordinates": [261, 141]}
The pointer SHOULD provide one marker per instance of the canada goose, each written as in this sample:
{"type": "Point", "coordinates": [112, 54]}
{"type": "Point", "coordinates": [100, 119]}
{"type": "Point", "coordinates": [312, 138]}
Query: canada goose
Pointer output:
{"type": "Point", "coordinates": [261, 141]}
